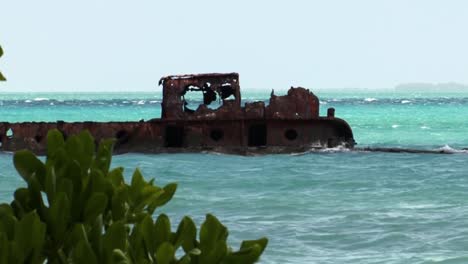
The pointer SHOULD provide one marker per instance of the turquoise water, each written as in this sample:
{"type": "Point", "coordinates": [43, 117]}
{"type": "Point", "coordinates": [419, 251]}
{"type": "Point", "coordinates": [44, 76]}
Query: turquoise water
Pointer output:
{"type": "Point", "coordinates": [319, 207]}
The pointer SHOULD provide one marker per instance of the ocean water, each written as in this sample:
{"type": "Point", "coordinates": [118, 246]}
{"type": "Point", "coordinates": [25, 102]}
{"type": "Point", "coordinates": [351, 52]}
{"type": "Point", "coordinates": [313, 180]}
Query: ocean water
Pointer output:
{"type": "Point", "coordinates": [331, 206]}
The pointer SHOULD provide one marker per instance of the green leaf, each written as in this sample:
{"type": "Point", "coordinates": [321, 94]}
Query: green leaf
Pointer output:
{"type": "Point", "coordinates": [88, 147]}
{"type": "Point", "coordinates": [249, 252]}
{"type": "Point", "coordinates": [59, 214]}
{"type": "Point", "coordinates": [119, 204]}
{"type": "Point", "coordinates": [2, 78]}
{"type": "Point", "coordinates": [55, 141]}
{"type": "Point", "coordinates": [186, 234]}
{"type": "Point", "coordinates": [50, 183]}
{"type": "Point", "coordinates": [73, 172]}
{"type": "Point", "coordinates": [119, 257]}
{"type": "Point", "coordinates": [115, 238]}
{"type": "Point", "coordinates": [95, 206]}
{"type": "Point", "coordinates": [211, 232]}
{"type": "Point", "coordinates": [95, 236]}
{"type": "Point", "coordinates": [162, 229]}
{"type": "Point", "coordinates": [23, 199]}
{"type": "Point", "coordinates": [148, 233]}
{"type": "Point", "coordinates": [78, 233]}
{"type": "Point", "coordinates": [247, 256]}
{"type": "Point", "coordinates": [4, 248]}
{"type": "Point", "coordinates": [262, 242]}
{"type": "Point", "coordinates": [5, 210]}
{"type": "Point", "coordinates": [165, 253]}
{"type": "Point", "coordinates": [169, 191]}
{"type": "Point", "coordinates": [104, 155]}
{"type": "Point", "coordinates": [83, 253]}
{"type": "Point", "coordinates": [116, 177]}
{"type": "Point", "coordinates": [213, 236]}
{"type": "Point", "coordinates": [27, 165]}
{"type": "Point", "coordinates": [137, 184]}
{"type": "Point", "coordinates": [29, 238]}
{"type": "Point", "coordinates": [185, 260]}
{"type": "Point", "coordinates": [35, 193]}
{"type": "Point", "coordinates": [7, 221]}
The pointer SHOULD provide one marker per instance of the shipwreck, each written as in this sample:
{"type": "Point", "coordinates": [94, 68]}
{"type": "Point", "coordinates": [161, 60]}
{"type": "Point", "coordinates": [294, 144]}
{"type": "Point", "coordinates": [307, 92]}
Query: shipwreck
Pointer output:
{"type": "Point", "coordinates": [286, 123]}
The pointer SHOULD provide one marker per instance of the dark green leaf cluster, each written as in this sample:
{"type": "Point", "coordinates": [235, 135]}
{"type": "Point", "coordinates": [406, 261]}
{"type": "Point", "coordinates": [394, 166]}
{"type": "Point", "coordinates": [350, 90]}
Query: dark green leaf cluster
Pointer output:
{"type": "Point", "coordinates": [75, 209]}
{"type": "Point", "coordinates": [2, 78]}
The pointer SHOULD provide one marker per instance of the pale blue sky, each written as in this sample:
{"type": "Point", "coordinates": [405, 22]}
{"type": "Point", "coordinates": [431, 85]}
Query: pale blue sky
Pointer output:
{"type": "Point", "coordinates": [115, 45]}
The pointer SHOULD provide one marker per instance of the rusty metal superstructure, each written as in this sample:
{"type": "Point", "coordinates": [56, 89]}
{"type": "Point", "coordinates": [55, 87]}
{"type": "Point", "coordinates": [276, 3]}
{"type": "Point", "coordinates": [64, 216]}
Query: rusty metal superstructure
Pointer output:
{"type": "Point", "coordinates": [286, 124]}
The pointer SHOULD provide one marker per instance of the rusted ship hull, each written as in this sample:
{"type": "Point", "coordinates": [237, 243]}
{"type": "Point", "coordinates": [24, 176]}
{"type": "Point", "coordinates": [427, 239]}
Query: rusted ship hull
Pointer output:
{"type": "Point", "coordinates": [284, 124]}
{"type": "Point", "coordinates": [157, 136]}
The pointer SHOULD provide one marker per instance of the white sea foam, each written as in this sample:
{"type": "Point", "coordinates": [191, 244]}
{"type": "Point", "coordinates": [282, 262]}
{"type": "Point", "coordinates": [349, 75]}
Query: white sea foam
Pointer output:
{"type": "Point", "coordinates": [418, 206]}
{"type": "Point", "coordinates": [425, 127]}
{"type": "Point", "coordinates": [448, 149]}
{"type": "Point", "coordinates": [340, 148]}
{"type": "Point", "coordinates": [370, 99]}
{"type": "Point", "coordinates": [405, 101]}
{"type": "Point", "coordinates": [38, 99]}
{"type": "Point", "coordinates": [141, 102]}
{"type": "Point", "coordinates": [395, 126]}
{"type": "Point", "coordinates": [28, 101]}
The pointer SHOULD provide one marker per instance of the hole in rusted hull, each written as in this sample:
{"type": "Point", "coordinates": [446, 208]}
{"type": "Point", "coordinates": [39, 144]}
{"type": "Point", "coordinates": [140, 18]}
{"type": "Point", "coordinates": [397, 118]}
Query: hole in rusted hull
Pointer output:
{"type": "Point", "coordinates": [122, 137]}
{"type": "Point", "coordinates": [38, 138]}
{"type": "Point", "coordinates": [174, 137]}
{"type": "Point", "coordinates": [290, 134]}
{"type": "Point", "coordinates": [217, 134]}
{"type": "Point", "coordinates": [257, 135]}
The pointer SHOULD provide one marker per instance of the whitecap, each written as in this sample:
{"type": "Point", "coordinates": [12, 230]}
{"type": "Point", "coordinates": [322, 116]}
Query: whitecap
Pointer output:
{"type": "Point", "coordinates": [425, 127]}
{"type": "Point", "coordinates": [405, 101]}
{"type": "Point", "coordinates": [395, 126]}
{"type": "Point", "coordinates": [448, 149]}
{"type": "Point", "coordinates": [41, 99]}
{"type": "Point", "coordinates": [153, 102]}
{"type": "Point", "coordinates": [323, 102]}
{"type": "Point", "coordinates": [335, 149]}
{"type": "Point", "coordinates": [418, 206]}
{"type": "Point", "coordinates": [141, 102]}
{"type": "Point", "coordinates": [28, 101]}
{"type": "Point", "coordinates": [370, 99]}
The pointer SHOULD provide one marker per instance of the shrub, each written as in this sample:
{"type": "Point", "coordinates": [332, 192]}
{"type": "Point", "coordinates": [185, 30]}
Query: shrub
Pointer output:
{"type": "Point", "coordinates": [75, 209]}
{"type": "Point", "coordinates": [2, 78]}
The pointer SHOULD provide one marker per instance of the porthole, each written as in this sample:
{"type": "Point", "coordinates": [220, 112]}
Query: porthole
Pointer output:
{"type": "Point", "coordinates": [217, 134]}
{"type": "Point", "coordinates": [290, 134]}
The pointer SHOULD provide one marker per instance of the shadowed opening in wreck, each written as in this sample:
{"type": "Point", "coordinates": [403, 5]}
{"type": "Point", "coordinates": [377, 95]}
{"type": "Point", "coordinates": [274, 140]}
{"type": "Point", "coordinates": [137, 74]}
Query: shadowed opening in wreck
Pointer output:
{"type": "Point", "coordinates": [257, 135]}
{"type": "Point", "coordinates": [290, 134]}
{"type": "Point", "coordinates": [174, 137]}
{"type": "Point", "coordinates": [122, 137]}
{"type": "Point", "coordinates": [38, 138]}
{"type": "Point", "coordinates": [194, 96]}
{"type": "Point", "coordinates": [217, 134]}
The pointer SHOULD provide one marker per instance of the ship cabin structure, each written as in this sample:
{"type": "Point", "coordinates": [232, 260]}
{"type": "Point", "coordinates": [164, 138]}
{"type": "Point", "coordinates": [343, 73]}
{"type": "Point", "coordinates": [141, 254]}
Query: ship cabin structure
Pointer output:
{"type": "Point", "coordinates": [221, 122]}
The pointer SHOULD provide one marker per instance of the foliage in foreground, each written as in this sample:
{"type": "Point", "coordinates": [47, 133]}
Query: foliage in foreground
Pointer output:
{"type": "Point", "coordinates": [2, 78]}
{"type": "Point", "coordinates": [75, 209]}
